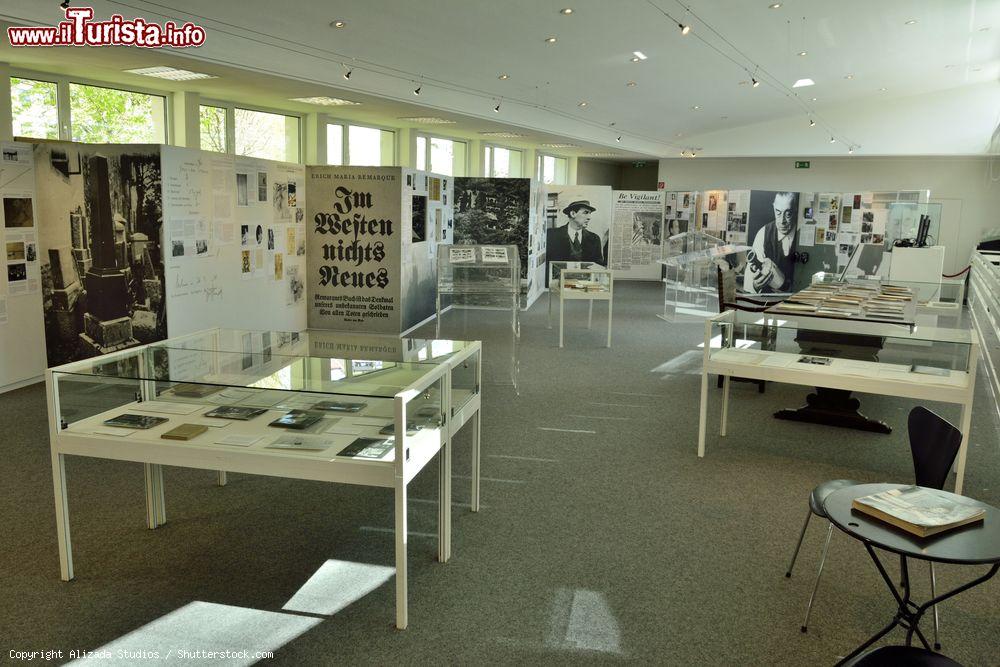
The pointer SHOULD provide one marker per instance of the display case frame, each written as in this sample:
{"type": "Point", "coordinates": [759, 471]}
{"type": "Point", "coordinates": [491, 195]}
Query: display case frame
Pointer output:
{"type": "Point", "coordinates": [954, 350]}
{"type": "Point", "coordinates": [141, 369]}
{"type": "Point", "coordinates": [565, 280]}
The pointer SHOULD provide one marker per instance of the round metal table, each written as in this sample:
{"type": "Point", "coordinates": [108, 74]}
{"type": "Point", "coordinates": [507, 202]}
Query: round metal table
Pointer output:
{"type": "Point", "coordinates": [975, 544]}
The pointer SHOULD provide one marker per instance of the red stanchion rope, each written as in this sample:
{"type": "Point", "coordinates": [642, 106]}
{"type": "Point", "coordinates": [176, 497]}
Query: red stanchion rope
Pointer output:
{"type": "Point", "coordinates": [956, 275]}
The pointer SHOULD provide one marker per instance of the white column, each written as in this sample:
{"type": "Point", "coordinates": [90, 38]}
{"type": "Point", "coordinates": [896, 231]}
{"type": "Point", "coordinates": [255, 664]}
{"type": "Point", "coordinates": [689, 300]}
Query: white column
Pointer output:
{"type": "Point", "coordinates": [186, 120]}
{"type": "Point", "coordinates": [315, 139]}
{"type": "Point", "coordinates": [6, 117]}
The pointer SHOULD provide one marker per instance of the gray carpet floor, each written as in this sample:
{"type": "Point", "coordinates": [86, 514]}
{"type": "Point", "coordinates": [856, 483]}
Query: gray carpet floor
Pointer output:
{"type": "Point", "coordinates": [605, 541]}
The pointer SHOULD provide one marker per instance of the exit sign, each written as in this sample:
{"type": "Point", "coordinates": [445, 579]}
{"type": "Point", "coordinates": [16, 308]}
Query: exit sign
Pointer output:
{"type": "Point", "coordinates": [802, 164]}
{"type": "Point", "coordinates": [638, 164]}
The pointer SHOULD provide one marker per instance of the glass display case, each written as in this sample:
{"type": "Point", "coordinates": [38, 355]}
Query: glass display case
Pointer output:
{"type": "Point", "coordinates": [838, 357]}
{"type": "Point", "coordinates": [478, 291]}
{"type": "Point", "coordinates": [347, 408]}
{"type": "Point", "coordinates": [580, 280]}
{"type": "Point", "coordinates": [690, 276]}
{"type": "Point", "coordinates": [904, 218]}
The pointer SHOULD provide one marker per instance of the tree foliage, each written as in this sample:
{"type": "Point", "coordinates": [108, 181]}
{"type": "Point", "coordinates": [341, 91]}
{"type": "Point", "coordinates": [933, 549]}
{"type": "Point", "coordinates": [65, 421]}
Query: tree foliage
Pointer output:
{"type": "Point", "coordinates": [33, 106]}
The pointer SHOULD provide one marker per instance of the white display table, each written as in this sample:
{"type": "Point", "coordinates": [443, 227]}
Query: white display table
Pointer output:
{"type": "Point", "coordinates": [425, 401]}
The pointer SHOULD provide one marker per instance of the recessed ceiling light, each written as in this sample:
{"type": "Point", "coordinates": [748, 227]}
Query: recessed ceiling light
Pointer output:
{"type": "Point", "coordinates": [802, 83]}
{"type": "Point", "coordinates": [338, 24]}
{"type": "Point", "coordinates": [630, 84]}
{"type": "Point", "coordinates": [566, 12]}
{"type": "Point", "coordinates": [550, 40]}
{"type": "Point", "coordinates": [679, 134]}
{"type": "Point", "coordinates": [559, 146]}
{"type": "Point", "coordinates": [428, 120]}
{"type": "Point", "coordinates": [639, 54]}
{"type": "Point", "coordinates": [984, 28]}
{"type": "Point", "coordinates": [775, 5]}
{"type": "Point", "coordinates": [325, 101]}
{"type": "Point", "coordinates": [812, 123]}
{"type": "Point", "coordinates": [582, 105]}
{"type": "Point", "coordinates": [754, 82]}
{"type": "Point", "coordinates": [170, 73]}
{"type": "Point", "coordinates": [503, 77]}
{"type": "Point", "coordinates": [802, 53]}
{"type": "Point", "coordinates": [977, 69]}
{"type": "Point", "coordinates": [695, 107]}
{"type": "Point", "coordinates": [832, 140]}
{"type": "Point", "coordinates": [634, 59]}
{"type": "Point", "coordinates": [910, 22]}
{"type": "Point", "coordinates": [814, 99]}
{"type": "Point", "coordinates": [882, 90]}
{"type": "Point", "coordinates": [849, 76]}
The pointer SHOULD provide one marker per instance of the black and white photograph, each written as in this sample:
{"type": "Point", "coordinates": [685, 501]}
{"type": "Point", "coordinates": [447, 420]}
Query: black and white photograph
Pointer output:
{"type": "Point", "coordinates": [201, 247]}
{"type": "Point", "coordinates": [15, 251]}
{"type": "Point", "coordinates": [675, 227]}
{"type": "Point", "coordinates": [646, 228]}
{"type": "Point", "coordinates": [176, 248]}
{"type": "Point", "coordinates": [17, 212]}
{"type": "Point", "coordinates": [259, 234]}
{"type": "Point", "coordinates": [261, 186]}
{"type": "Point", "coordinates": [31, 252]}
{"type": "Point", "coordinates": [242, 196]}
{"type": "Point", "coordinates": [17, 272]}
{"type": "Point", "coordinates": [418, 218]}
{"type": "Point", "coordinates": [771, 232]}
{"type": "Point", "coordinates": [244, 235]}
{"type": "Point", "coordinates": [270, 238]}
{"type": "Point", "coordinates": [293, 199]}
{"type": "Point", "coordinates": [582, 228]}
{"type": "Point", "coordinates": [102, 262]}
{"type": "Point", "coordinates": [493, 211]}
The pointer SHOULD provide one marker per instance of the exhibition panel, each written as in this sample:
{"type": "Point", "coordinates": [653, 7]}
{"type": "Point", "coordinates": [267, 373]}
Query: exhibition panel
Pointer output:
{"type": "Point", "coordinates": [251, 402]}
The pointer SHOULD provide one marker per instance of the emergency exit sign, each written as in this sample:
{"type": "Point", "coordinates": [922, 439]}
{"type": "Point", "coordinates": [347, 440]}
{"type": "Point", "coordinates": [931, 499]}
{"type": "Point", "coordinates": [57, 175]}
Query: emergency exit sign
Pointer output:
{"type": "Point", "coordinates": [802, 164]}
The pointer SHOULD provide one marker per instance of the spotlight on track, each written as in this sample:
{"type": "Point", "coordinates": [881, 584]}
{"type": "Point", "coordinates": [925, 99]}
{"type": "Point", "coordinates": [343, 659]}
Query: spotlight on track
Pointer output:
{"type": "Point", "coordinates": [685, 29]}
{"type": "Point", "coordinates": [347, 74]}
{"type": "Point", "coordinates": [754, 82]}
{"type": "Point", "coordinates": [416, 91]}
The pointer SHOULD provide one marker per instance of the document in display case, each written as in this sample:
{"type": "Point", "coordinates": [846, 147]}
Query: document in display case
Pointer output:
{"type": "Point", "coordinates": [282, 404]}
{"type": "Point", "coordinates": [477, 286]}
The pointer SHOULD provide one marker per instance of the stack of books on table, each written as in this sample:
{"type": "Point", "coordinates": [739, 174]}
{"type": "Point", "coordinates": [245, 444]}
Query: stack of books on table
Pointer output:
{"type": "Point", "coordinates": [919, 510]}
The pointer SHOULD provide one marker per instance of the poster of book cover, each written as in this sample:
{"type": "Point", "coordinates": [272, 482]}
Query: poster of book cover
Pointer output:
{"type": "Point", "coordinates": [493, 211]}
{"type": "Point", "coordinates": [578, 224]}
{"type": "Point", "coordinates": [771, 232]}
{"type": "Point", "coordinates": [353, 248]}
{"type": "Point", "coordinates": [637, 234]}
{"type": "Point", "coordinates": [100, 218]}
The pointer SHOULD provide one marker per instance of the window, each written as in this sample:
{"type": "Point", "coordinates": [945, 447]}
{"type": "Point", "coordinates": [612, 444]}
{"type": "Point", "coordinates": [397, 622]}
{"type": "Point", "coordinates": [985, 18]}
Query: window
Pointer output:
{"type": "Point", "coordinates": [502, 162]}
{"type": "Point", "coordinates": [370, 146]}
{"type": "Point", "coordinates": [270, 136]}
{"type": "Point", "coordinates": [334, 151]}
{"type": "Point", "coordinates": [553, 170]}
{"type": "Point", "coordinates": [110, 115]}
{"type": "Point", "coordinates": [365, 146]}
{"type": "Point", "coordinates": [442, 156]}
{"type": "Point", "coordinates": [34, 108]}
{"type": "Point", "coordinates": [213, 128]}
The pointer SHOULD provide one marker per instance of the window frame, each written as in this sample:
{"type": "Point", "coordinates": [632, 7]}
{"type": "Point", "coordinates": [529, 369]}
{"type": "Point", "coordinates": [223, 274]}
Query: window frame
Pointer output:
{"type": "Point", "coordinates": [488, 166]}
{"type": "Point", "coordinates": [427, 150]}
{"type": "Point", "coordinates": [231, 108]}
{"type": "Point", "coordinates": [62, 82]}
{"type": "Point", "coordinates": [538, 167]}
{"type": "Point", "coordinates": [327, 119]}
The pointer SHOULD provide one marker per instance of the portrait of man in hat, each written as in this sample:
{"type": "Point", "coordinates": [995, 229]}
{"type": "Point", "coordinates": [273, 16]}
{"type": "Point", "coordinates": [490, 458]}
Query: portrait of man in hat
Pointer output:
{"type": "Point", "coordinates": [573, 242]}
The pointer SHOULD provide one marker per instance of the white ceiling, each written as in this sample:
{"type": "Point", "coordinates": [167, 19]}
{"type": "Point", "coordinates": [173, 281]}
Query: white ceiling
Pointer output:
{"type": "Point", "coordinates": [940, 74]}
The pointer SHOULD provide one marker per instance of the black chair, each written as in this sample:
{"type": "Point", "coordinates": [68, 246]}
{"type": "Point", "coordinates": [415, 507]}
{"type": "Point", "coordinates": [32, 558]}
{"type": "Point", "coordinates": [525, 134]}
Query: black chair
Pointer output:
{"type": "Point", "coordinates": [934, 443]}
{"type": "Point", "coordinates": [901, 656]}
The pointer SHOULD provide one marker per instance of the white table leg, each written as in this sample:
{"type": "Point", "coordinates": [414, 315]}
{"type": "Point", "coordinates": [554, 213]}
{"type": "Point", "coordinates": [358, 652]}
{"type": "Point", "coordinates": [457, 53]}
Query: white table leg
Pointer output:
{"type": "Point", "coordinates": [590, 313]}
{"type": "Point", "coordinates": [401, 540]}
{"type": "Point", "coordinates": [963, 450]}
{"type": "Point", "coordinates": [703, 414]}
{"type": "Point", "coordinates": [444, 503]}
{"type": "Point", "coordinates": [161, 500]}
{"type": "Point", "coordinates": [62, 517]}
{"type": "Point", "coordinates": [223, 479]}
{"type": "Point", "coordinates": [560, 321]}
{"type": "Point", "coordinates": [475, 459]}
{"type": "Point", "coordinates": [725, 405]}
{"type": "Point", "coordinates": [151, 493]}
{"type": "Point", "coordinates": [609, 322]}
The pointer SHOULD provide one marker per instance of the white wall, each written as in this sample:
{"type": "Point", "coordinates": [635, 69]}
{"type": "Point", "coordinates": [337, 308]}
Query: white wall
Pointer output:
{"type": "Point", "coordinates": [962, 184]}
